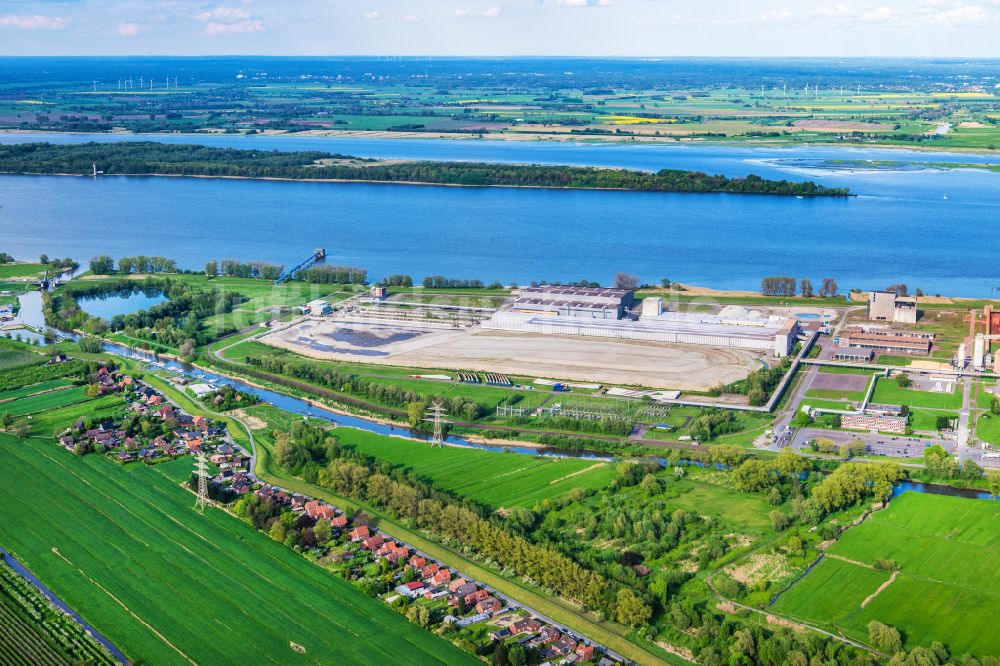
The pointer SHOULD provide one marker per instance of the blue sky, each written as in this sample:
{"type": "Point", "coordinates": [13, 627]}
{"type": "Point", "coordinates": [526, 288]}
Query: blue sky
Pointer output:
{"type": "Point", "coordinates": [963, 28]}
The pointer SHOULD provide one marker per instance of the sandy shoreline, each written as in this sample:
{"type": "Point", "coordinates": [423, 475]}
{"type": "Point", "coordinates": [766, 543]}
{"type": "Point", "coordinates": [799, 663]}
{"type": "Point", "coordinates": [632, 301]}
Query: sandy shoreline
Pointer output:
{"type": "Point", "coordinates": [550, 137]}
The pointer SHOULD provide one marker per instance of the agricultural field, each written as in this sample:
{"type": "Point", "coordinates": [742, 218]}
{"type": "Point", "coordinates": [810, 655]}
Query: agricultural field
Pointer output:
{"type": "Point", "coordinates": [44, 401]}
{"type": "Point", "coordinates": [32, 631]}
{"type": "Point", "coordinates": [176, 569]}
{"type": "Point", "coordinates": [17, 358]}
{"type": "Point", "coordinates": [605, 101]}
{"type": "Point", "coordinates": [947, 588]}
{"type": "Point", "coordinates": [32, 389]}
{"type": "Point", "coordinates": [494, 479]}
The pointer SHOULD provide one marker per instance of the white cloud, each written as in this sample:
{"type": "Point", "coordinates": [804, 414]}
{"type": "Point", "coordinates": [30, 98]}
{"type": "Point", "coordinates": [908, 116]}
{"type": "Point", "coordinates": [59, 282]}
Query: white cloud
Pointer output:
{"type": "Point", "coordinates": [33, 22]}
{"type": "Point", "coordinates": [842, 13]}
{"type": "Point", "coordinates": [237, 28]}
{"type": "Point", "coordinates": [775, 15]}
{"type": "Point", "coordinates": [492, 13]}
{"type": "Point", "coordinates": [586, 3]}
{"type": "Point", "coordinates": [961, 15]}
{"type": "Point", "coordinates": [946, 13]}
{"type": "Point", "coordinates": [229, 14]}
{"type": "Point", "coordinates": [128, 29]}
{"type": "Point", "coordinates": [373, 16]}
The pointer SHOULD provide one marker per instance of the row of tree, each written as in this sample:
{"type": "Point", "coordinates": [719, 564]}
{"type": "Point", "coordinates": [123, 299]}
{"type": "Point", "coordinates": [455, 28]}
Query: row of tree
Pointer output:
{"type": "Point", "coordinates": [786, 286]}
{"type": "Point", "coordinates": [328, 274]}
{"type": "Point", "coordinates": [441, 282]}
{"type": "Point", "coordinates": [244, 269]}
{"type": "Point", "coordinates": [105, 265]}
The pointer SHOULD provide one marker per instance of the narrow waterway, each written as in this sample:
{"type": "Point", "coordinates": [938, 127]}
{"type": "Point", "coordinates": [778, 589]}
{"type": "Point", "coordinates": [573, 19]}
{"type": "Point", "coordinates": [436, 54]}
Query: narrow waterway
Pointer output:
{"type": "Point", "coordinates": [298, 406]}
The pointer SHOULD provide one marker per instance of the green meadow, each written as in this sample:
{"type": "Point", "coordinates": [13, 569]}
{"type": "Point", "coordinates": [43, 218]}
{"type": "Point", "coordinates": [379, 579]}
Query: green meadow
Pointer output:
{"type": "Point", "coordinates": [887, 391]}
{"type": "Point", "coordinates": [494, 479]}
{"type": "Point", "coordinates": [948, 586]}
{"type": "Point", "coordinates": [169, 585]}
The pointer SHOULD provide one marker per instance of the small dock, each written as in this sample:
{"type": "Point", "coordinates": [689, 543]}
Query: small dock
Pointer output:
{"type": "Point", "coordinates": [318, 255]}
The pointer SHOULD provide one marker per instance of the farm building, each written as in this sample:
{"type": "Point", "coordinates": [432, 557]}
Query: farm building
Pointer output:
{"type": "Point", "coordinates": [585, 302]}
{"type": "Point", "coordinates": [775, 335]}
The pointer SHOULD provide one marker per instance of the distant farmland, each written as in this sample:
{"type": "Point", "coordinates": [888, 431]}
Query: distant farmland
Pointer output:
{"type": "Point", "coordinates": [215, 590]}
{"type": "Point", "coordinates": [948, 587]}
{"type": "Point", "coordinates": [494, 479]}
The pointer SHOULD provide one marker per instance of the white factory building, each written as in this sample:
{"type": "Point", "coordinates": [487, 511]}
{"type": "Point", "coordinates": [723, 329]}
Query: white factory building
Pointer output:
{"type": "Point", "coordinates": [731, 328]}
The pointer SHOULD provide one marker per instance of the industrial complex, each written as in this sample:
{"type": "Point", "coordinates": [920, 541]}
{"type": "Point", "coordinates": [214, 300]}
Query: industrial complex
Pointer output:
{"type": "Point", "coordinates": [605, 313]}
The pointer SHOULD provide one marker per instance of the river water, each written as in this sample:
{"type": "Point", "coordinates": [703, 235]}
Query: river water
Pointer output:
{"type": "Point", "coordinates": [927, 227]}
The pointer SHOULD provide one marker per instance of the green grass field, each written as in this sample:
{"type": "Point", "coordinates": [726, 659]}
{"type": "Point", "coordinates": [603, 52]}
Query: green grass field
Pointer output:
{"type": "Point", "coordinates": [494, 479]}
{"type": "Point", "coordinates": [888, 392]}
{"type": "Point", "coordinates": [20, 270]}
{"type": "Point", "coordinates": [948, 588]}
{"type": "Point", "coordinates": [833, 590]}
{"type": "Point", "coordinates": [135, 558]}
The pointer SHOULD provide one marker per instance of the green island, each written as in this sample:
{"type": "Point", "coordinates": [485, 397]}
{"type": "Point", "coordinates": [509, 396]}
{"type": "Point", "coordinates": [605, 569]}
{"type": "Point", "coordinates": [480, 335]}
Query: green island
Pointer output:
{"type": "Point", "coordinates": [144, 158]}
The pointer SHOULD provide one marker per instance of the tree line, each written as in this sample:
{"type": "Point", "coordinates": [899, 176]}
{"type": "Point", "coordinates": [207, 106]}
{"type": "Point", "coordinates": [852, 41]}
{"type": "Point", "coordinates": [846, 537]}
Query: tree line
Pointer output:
{"type": "Point", "coordinates": [329, 274]}
{"type": "Point", "coordinates": [149, 158]}
{"type": "Point", "coordinates": [244, 269]}
{"type": "Point", "coordinates": [786, 286]}
{"type": "Point", "coordinates": [105, 265]}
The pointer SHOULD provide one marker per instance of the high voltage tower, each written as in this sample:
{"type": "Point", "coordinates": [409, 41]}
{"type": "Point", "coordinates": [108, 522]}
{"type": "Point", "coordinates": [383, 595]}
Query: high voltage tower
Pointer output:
{"type": "Point", "coordinates": [434, 413]}
{"type": "Point", "coordinates": [201, 470]}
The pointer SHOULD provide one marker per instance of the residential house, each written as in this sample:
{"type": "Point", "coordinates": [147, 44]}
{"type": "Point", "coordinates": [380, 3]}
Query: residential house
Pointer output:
{"type": "Point", "coordinates": [584, 652]}
{"type": "Point", "coordinates": [528, 625]}
{"type": "Point", "coordinates": [442, 577]}
{"type": "Point", "coordinates": [410, 589]}
{"type": "Point", "coordinates": [563, 646]}
{"type": "Point", "coordinates": [463, 591]}
{"type": "Point", "coordinates": [474, 598]}
{"type": "Point", "coordinates": [489, 605]}
{"type": "Point", "coordinates": [339, 522]}
{"type": "Point", "coordinates": [455, 584]}
{"type": "Point", "coordinates": [373, 542]}
{"type": "Point", "coordinates": [359, 533]}
{"type": "Point", "coordinates": [547, 635]}
{"type": "Point", "coordinates": [499, 634]}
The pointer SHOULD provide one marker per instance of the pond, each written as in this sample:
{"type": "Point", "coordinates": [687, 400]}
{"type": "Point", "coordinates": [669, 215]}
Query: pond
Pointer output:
{"type": "Point", "coordinates": [107, 306]}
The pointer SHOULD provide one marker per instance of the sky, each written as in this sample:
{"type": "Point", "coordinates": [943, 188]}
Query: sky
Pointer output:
{"type": "Point", "coordinates": [955, 28]}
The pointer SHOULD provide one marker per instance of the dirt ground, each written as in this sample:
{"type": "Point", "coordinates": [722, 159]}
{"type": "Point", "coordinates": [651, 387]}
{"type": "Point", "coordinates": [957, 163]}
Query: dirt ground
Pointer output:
{"type": "Point", "coordinates": [600, 360]}
{"type": "Point", "coordinates": [827, 380]}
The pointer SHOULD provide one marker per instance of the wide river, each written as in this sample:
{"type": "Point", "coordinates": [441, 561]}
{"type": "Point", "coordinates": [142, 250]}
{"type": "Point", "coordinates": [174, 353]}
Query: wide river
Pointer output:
{"type": "Point", "coordinates": [930, 228]}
